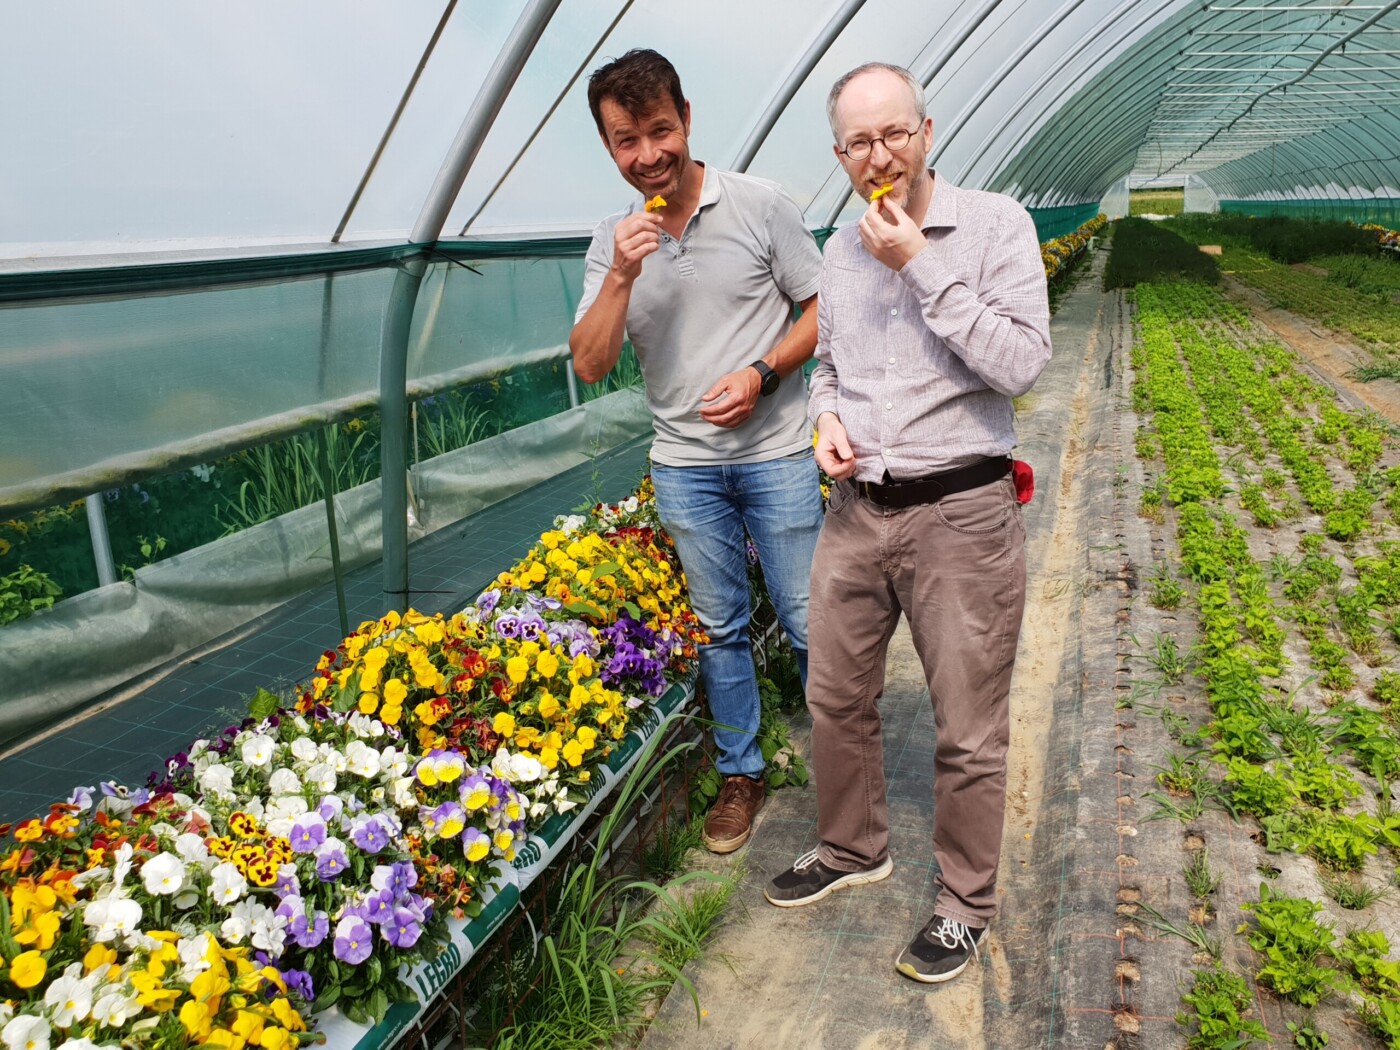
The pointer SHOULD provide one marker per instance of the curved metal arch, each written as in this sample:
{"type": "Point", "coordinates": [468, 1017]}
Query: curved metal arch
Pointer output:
{"type": "Point", "coordinates": [815, 52]}
{"type": "Point", "coordinates": [999, 77]}
{"type": "Point", "coordinates": [1111, 139]}
{"type": "Point", "coordinates": [1042, 88]}
{"type": "Point", "coordinates": [1027, 169]}
{"type": "Point", "coordinates": [1338, 45]}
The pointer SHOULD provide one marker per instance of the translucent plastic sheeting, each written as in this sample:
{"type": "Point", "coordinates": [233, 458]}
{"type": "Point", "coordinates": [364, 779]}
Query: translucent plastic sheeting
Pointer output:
{"type": "Point", "coordinates": [1198, 196]}
{"type": "Point", "coordinates": [111, 635]}
{"type": "Point", "coordinates": [214, 123]}
{"type": "Point", "coordinates": [93, 387]}
{"type": "Point", "coordinates": [1115, 201]}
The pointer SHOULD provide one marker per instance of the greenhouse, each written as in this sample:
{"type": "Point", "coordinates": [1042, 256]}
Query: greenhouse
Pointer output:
{"type": "Point", "coordinates": [544, 524]}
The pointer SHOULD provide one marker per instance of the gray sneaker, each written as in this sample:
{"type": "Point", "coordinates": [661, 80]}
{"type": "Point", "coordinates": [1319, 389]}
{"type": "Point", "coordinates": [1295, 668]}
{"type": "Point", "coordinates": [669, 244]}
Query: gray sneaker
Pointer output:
{"type": "Point", "coordinates": [940, 951]}
{"type": "Point", "coordinates": [810, 880]}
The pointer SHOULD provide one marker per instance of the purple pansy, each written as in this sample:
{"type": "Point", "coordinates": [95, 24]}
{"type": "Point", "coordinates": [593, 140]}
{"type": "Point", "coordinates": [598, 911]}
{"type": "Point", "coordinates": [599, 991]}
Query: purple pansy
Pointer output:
{"type": "Point", "coordinates": [354, 940]}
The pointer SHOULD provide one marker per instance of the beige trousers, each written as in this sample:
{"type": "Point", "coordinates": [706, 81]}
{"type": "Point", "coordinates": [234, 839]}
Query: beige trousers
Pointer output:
{"type": "Point", "coordinates": [957, 570]}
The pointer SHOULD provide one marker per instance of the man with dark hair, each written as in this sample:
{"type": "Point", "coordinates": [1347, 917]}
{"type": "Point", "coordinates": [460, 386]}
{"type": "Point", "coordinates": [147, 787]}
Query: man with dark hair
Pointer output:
{"type": "Point", "coordinates": [701, 272]}
{"type": "Point", "coordinates": [933, 317]}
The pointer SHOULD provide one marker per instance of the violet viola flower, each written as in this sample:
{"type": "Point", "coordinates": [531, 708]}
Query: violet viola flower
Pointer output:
{"type": "Point", "coordinates": [404, 930]}
{"type": "Point", "coordinates": [354, 940]}
{"type": "Point", "coordinates": [287, 884]}
{"type": "Point", "coordinates": [82, 798]}
{"type": "Point", "coordinates": [487, 601]}
{"type": "Point", "coordinates": [379, 908]}
{"type": "Point", "coordinates": [300, 982]}
{"type": "Point", "coordinates": [507, 625]}
{"type": "Point", "coordinates": [309, 930]}
{"type": "Point", "coordinates": [330, 808]}
{"type": "Point", "coordinates": [308, 833]}
{"type": "Point", "coordinates": [331, 861]}
{"type": "Point", "coordinates": [369, 834]}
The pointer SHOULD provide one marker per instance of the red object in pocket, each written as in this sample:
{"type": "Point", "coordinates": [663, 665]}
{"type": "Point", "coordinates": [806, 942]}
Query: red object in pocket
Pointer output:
{"type": "Point", "coordinates": [1024, 478]}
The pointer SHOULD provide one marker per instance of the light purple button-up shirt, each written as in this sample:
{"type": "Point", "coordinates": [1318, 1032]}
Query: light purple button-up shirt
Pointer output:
{"type": "Point", "coordinates": [920, 365]}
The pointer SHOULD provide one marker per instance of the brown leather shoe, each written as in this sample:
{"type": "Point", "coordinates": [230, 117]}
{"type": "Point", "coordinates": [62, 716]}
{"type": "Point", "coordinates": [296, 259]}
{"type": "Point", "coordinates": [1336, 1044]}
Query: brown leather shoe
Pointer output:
{"type": "Point", "coordinates": [731, 820]}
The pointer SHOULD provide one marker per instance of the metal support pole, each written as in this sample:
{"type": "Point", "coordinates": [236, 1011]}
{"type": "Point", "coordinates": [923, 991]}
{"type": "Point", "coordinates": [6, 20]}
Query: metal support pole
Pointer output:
{"type": "Point", "coordinates": [398, 314]}
{"type": "Point", "coordinates": [573, 382]}
{"type": "Point", "coordinates": [393, 433]}
{"type": "Point", "coordinates": [323, 461]}
{"type": "Point", "coordinates": [795, 79]}
{"type": "Point", "coordinates": [101, 542]}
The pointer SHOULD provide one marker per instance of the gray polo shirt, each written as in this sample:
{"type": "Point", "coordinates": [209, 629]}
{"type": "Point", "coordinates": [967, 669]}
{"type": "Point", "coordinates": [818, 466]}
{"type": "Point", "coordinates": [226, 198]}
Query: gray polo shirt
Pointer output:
{"type": "Point", "coordinates": [716, 300]}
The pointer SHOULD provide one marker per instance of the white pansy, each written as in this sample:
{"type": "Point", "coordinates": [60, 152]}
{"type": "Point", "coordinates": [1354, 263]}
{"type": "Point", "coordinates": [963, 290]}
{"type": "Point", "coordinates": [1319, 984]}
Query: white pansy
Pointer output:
{"type": "Point", "coordinates": [69, 999]}
{"type": "Point", "coordinates": [83, 1043]}
{"type": "Point", "coordinates": [283, 782]}
{"type": "Point", "coordinates": [112, 917]}
{"type": "Point", "coordinates": [563, 805]}
{"type": "Point", "coordinates": [302, 725]}
{"type": "Point", "coordinates": [403, 793]}
{"type": "Point", "coordinates": [258, 750]}
{"type": "Point", "coordinates": [122, 866]}
{"type": "Point", "coordinates": [335, 759]}
{"type": "Point", "coordinates": [26, 1032]}
{"type": "Point", "coordinates": [281, 812]}
{"type": "Point", "coordinates": [394, 762]}
{"type": "Point", "coordinates": [114, 1009]}
{"type": "Point", "coordinates": [163, 875]}
{"type": "Point", "coordinates": [321, 777]}
{"type": "Point", "coordinates": [234, 929]}
{"type": "Point", "coordinates": [269, 931]}
{"type": "Point", "coordinates": [254, 808]}
{"type": "Point", "coordinates": [191, 848]}
{"type": "Point", "coordinates": [192, 951]}
{"type": "Point", "coordinates": [304, 750]}
{"type": "Point", "coordinates": [226, 885]}
{"type": "Point", "coordinates": [217, 780]}
{"type": "Point", "coordinates": [361, 759]}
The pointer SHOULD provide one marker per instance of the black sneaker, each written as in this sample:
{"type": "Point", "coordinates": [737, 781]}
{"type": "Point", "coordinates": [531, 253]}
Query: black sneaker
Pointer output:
{"type": "Point", "coordinates": [940, 951]}
{"type": "Point", "coordinates": [810, 880]}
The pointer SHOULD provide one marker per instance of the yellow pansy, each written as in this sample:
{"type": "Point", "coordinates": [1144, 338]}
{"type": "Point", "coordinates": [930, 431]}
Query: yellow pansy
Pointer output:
{"type": "Point", "coordinates": [391, 714]}
{"type": "Point", "coordinates": [395, 692]}
{"type": "Point", "coordinates": [517, 669]}
{"type": "Point", "coordinates": [195, 1015]}
{"type": "Point", "coordinates": [369, 703]}
{"type": "Point", "coordinates": [549, 705]}
{"type": "Point", "coordinates": [547, 664]}
{"type": "Point", "coordinates": [573, 753]}
{"type": "Point", "coordinates": [28, 969]}
{"type": "Point", "coordinates": [503, 723]}
{"type": "Point", "coordinates": [549, 757]}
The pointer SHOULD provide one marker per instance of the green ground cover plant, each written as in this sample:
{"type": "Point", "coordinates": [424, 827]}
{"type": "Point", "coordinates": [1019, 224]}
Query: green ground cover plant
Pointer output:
{"type": "Point", "coordinates": [1144, 251]}
{"type": "Point", "coordinates": [1299, 749]}
{"type": "Point", "coordinates": [1219, 1002]}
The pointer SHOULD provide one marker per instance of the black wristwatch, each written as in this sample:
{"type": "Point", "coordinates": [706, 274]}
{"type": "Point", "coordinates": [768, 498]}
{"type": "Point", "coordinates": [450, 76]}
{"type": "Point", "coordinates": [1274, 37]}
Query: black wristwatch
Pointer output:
{"type": "Point", "coordinates": [767, 378]}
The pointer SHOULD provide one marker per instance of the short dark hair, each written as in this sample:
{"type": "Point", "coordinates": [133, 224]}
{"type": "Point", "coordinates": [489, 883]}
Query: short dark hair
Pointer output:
{"type": "Point", "coordinates": [635, 82]}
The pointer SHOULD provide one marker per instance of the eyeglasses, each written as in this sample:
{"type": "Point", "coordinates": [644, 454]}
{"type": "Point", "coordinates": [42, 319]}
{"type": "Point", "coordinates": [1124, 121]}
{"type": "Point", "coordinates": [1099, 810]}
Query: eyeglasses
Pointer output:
{"type": "Point", "coordinates": [896, 140]}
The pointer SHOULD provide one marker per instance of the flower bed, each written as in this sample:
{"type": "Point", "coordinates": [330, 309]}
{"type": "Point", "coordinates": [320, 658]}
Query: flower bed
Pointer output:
{"type": "Point", "coordinates": [353, 849]}
{"type": "Point", "coordinates": [1060, 255]}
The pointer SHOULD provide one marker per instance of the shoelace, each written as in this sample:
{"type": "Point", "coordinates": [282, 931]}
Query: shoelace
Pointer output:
{"type": "Point", "coordinates": [729, 801]}
{"type": "Point", "coordinates": [805, 861]}
{"type": "Point", "coordinates": [953, 934]}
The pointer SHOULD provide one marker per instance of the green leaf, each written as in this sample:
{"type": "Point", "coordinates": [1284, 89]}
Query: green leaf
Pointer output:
{"type": "Point", "coordinates": [583, 608]}
{"type": "Point", "coordinates": [378, 1004]}
{"type": "Point", "coordinates": [606, 568]}
{"type": "Point", "coordinates": [263, 704]}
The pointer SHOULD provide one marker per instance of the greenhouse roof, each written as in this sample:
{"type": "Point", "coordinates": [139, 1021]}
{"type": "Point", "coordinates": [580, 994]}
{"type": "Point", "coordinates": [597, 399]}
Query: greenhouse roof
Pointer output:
{"type": "Point", "coordinates": [177, 126]}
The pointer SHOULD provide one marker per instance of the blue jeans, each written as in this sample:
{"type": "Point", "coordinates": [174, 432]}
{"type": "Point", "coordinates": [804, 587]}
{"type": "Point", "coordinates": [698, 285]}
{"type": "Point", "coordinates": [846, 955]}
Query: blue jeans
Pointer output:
{"type": "Point", "coordinates": [707, 511]}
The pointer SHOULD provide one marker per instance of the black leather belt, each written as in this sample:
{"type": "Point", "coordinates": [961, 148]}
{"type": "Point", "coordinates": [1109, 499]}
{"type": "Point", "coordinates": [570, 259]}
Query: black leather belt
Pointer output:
{"type": "Point", "coordinates": [934, 487]}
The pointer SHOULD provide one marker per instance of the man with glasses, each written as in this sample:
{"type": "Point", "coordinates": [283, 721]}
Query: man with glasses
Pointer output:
{"type": "Point", "coordinates": [933, 317]}
{"type": "Point", "coordinates": [701, 271]}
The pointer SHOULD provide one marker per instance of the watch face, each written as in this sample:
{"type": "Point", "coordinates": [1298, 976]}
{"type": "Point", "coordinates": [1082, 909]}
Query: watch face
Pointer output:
{"type": "Point", "coordinates": [770, 383]}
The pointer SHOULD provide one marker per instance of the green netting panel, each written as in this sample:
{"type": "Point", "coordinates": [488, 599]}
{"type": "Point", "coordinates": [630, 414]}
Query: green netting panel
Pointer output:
{"type": "Point", "coordinates": [1382, 210]}
{"type": "Point", "coordinates": [1056, 222]}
